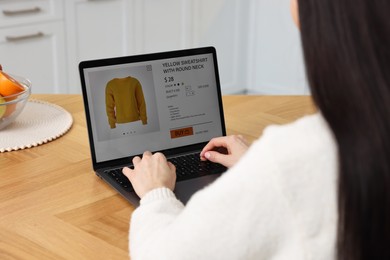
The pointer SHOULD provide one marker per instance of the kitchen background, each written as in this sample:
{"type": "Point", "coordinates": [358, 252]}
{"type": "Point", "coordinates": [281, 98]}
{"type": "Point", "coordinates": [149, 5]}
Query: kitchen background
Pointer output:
{"type": "Point", "coordinates": [257, 43]}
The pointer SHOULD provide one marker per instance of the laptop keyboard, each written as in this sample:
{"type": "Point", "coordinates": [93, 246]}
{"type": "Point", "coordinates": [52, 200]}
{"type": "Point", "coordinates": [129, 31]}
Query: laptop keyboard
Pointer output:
{"type": "Point", "coordinates": [187, 167]}
{"type": "Point", "coordinates": [190, 166]}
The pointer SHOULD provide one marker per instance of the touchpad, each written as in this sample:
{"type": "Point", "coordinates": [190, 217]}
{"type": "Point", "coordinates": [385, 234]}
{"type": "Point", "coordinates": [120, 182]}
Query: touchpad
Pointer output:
{"type": "Point", "coordinates": [185, 189]}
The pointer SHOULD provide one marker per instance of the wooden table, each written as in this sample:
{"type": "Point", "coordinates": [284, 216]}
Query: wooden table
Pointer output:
{"type": "Point", "coordinates": [52, 206]}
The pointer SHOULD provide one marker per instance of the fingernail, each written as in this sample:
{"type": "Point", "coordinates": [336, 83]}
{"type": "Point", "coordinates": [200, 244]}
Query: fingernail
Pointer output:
{"type": "Point", "coordinates": [207, 155]}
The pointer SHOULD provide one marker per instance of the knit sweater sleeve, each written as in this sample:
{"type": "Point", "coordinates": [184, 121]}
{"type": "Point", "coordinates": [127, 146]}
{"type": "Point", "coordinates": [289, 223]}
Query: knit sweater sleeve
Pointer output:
{"type": "Point", "coordinates": [139, 95]}
{"type": "Point", "coordinates": [243, 215]}
{"type": "Point", "coordinates": [110, 105]}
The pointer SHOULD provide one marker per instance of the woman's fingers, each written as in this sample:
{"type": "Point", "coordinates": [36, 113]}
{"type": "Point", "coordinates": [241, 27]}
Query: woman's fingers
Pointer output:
{"type": "Point", "coordinates": [136, 160]}
{"type": "Point", "coordinates": [215, 142]}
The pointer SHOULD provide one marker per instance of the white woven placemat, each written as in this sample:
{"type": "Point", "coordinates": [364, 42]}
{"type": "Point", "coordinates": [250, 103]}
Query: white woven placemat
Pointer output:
{"type": "Point", "coordinates": [39, 122]}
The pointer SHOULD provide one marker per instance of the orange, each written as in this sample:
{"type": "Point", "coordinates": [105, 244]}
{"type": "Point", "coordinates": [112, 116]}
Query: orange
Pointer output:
{"type": "Point", "coordinates": [8, 85]}
{"type": "Point", "coordinates": [6, 110]}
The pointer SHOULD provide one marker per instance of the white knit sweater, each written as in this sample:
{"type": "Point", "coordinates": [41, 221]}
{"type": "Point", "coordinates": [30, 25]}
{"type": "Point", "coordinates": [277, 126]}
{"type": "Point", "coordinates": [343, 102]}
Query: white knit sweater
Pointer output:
{"type": "Point", "coordinates": [278, 202]}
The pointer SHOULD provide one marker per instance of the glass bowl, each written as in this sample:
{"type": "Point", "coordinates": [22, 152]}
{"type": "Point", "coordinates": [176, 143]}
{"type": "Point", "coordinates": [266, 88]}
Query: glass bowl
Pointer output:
{"type": "Point", "coordinates": [11, 106]}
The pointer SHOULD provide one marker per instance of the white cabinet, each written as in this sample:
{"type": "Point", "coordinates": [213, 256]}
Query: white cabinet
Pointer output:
{"type": "Point", "coordinates": [95, 29]}
{"type": "Point", "coordinates": [109, 28]}
{"type": "Point", "coordinates": [224, 24]}
{"type": "Point", "coordinates": [32, 43]}
{"type": "Point", "coordinates": [276, 61]}
{"type": "Point", "coordinates": [161, 25]}
{"type": "Point", "coordinates": [46, 39]}
{"type": "Point", "coordinates": [177, 24]}
{"type": "Point", "coordinates": [20, 12]}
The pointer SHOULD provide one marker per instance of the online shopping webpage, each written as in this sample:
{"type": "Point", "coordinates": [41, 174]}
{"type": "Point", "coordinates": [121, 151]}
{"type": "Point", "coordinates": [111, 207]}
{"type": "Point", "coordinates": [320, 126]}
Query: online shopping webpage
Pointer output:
{"type": "Point", "coordinates": [153, 105]}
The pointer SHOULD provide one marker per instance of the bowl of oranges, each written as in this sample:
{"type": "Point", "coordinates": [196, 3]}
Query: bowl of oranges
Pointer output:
{"type": "Point", "coordinates": [14, 93]}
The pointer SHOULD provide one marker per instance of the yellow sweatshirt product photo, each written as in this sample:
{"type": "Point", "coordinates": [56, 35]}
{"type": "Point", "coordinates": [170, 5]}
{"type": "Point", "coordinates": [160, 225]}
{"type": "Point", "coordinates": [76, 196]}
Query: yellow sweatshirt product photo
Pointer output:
{"type": "Point", "coordinates": [125, 101]}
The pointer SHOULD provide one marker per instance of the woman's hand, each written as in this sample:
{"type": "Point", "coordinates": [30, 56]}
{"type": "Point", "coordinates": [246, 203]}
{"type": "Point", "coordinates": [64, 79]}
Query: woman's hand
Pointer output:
{"type": "Point", "coordinates": [235, 145]}
{"type": "Point", "coordinates": [151, 172]}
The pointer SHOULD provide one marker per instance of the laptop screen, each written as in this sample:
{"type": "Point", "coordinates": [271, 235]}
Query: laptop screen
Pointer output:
{"type": "Point", "coordinates": [151, 102]}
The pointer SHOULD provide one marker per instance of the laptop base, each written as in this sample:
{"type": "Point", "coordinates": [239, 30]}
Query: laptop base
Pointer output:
{"type": "Point", "coordinates": [183, 190]}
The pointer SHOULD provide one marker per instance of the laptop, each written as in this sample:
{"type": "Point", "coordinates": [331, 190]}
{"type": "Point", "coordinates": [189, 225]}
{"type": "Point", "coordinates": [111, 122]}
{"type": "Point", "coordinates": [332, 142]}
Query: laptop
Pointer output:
{"type": "Point", "coordinates": [168, 102]}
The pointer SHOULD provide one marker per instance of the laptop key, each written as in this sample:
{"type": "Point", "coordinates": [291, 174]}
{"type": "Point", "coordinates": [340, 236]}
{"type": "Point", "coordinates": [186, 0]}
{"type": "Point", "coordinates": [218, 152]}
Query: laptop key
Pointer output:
{"type": "Point", "coordinates": [120, 178]}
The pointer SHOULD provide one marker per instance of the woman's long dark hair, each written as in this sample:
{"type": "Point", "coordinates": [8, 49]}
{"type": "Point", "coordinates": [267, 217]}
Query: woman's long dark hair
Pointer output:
{"type": "Point", "coordinates": [346, 45]}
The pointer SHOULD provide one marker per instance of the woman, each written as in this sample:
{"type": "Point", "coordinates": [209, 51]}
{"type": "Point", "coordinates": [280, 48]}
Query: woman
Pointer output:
{"type": "Point", "coordinates": [314, 189]}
